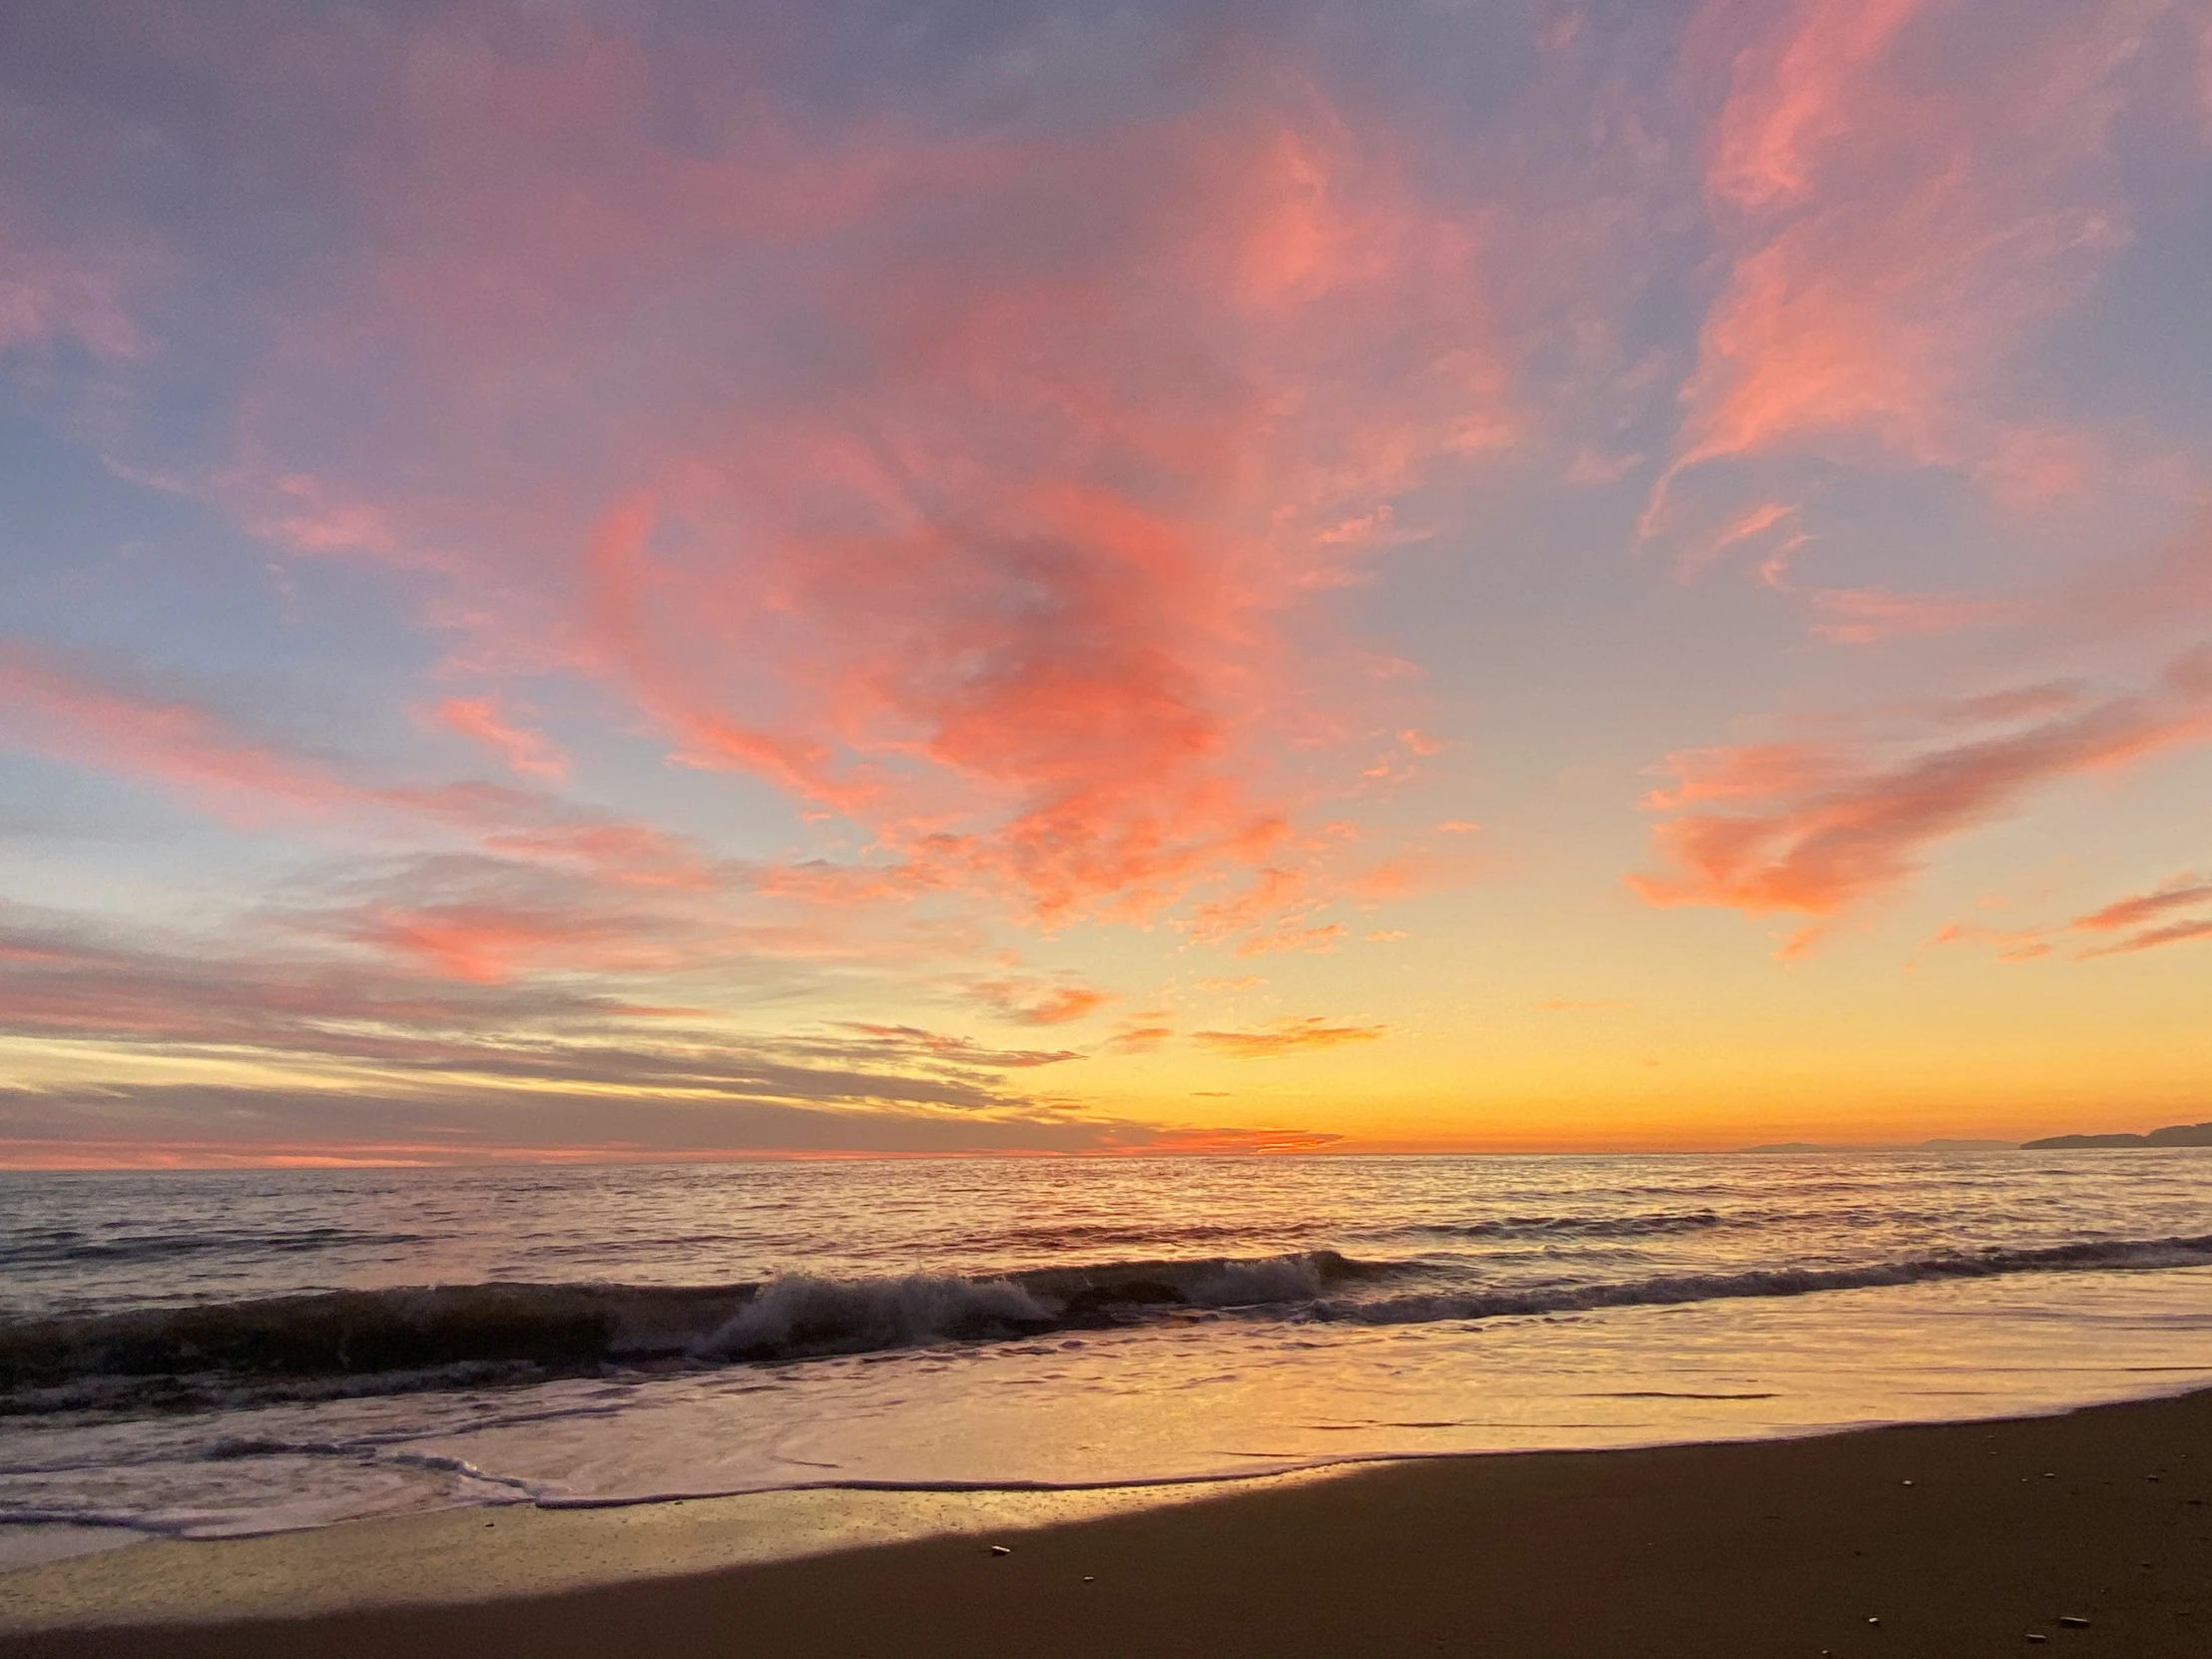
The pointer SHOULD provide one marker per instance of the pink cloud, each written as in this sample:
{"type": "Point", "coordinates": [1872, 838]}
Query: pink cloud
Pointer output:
{"type": "Point", "coordinates": [1748, 526]}
{"type": "Point", "coordinates": [2176, 932]}
{"type": "Point", "coordinates": [47, 298]}
{"type": "Point", "coordinates": [2122, 915]}
{"type": "Point", "coordinates": [53, 708]}
{"type": "Point", "coordinates": [526, 751]}
{"type": "Point", "coordinates": [487, 946]}
{"type": "Point", "coordinates": [1864, 616]}
{"type": "Point", "coordinates": [1896, 231]}
{"type": "Point", "coordinates": [2204, 76]}
{"type": "Point", "coordinates": [2178, 893]}
{"type": "Point", "coordinates": [1795, 95]}
{"type": "Point", "coordinates": [65, 710]}
{"type": "Point", "coordinates": [1008, 469]}
{"type": "Point", "coordinates": [1815, 830]}
{"type": "Point", "coordinates": [1743, 771]}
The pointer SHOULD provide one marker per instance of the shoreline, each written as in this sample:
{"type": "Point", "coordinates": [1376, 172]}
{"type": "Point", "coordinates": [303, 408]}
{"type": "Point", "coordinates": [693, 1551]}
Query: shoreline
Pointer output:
{"type": "Point", "coordinates": [1961, 1538]}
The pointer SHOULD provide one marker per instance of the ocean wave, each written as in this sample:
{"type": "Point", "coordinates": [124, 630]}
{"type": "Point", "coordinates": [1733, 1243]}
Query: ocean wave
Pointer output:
{"type": "Point", "coordinates": [346, 1342]}
{"type": "Point", "coordinates": [57, 1246]}
{"type": "Point", "coordinates": [1675, 1288]}
{"type": "Point", "coordinates": [464, 1335]}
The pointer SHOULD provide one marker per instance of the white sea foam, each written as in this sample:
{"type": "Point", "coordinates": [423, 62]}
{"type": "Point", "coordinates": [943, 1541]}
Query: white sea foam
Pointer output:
{"type": "Point", "coordinates": [807, 1314]}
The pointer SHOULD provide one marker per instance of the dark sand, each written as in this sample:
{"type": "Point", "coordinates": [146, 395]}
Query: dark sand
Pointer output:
{"type": "Point", "coordinates": [1961, 1540]}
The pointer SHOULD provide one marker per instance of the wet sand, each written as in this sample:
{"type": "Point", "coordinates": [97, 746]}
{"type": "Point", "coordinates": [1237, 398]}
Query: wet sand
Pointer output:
{"type": "Point", "coordinates": [1927, 1542]}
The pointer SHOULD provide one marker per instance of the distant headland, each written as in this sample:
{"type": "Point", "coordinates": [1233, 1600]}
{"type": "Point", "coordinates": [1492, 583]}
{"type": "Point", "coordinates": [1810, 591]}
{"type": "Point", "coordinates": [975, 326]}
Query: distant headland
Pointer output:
{"type": "Point", "coordinates": [2179, 1134]}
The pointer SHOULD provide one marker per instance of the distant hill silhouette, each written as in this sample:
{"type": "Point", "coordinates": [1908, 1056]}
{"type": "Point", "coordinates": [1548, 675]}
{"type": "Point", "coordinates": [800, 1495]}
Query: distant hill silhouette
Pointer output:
{"type": "Point", "coordinates": [2180, 1133]}
{"type": "Point", "coordinates": [1887, 1146]}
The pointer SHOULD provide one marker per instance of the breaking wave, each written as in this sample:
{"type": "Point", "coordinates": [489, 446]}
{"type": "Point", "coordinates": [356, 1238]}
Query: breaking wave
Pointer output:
{"type": "Point", "coordinates": [455, 1335]}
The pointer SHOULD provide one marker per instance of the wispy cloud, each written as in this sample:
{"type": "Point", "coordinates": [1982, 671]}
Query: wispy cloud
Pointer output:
{"type": "Point", "coordinates": [1818, 827]}
{"type": "Point", "coordinates": [1039, 1001]}
{"type": "Point", "coordinates": [484, 720]}
{"type": "Point", "coordinates": [1889, 251]}
{"type": "Point", "coordinates": [1287, 1036]}
{"type": "Point", "coordinates": [2178, 892]}
{"type": "Point", "coordinates": [2128, 915]}
{"type": "Point", "coordinates": [1863, 616]}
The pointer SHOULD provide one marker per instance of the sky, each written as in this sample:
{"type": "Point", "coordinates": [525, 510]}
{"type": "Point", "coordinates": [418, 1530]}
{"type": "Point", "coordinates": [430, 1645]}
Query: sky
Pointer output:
{"type": "Point", "coordinates": [652, 579]}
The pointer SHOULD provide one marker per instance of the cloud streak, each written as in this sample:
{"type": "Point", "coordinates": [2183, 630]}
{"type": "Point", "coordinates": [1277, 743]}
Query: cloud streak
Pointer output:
{"type": "Point", "coordinates": [2124, 915]}
{"type": "Point", "coordinates": [1815, 828]}
{"type": "Point", "coordinates": [1288, 1036]}
{"type": "Point", "coordinates": [482, 719]}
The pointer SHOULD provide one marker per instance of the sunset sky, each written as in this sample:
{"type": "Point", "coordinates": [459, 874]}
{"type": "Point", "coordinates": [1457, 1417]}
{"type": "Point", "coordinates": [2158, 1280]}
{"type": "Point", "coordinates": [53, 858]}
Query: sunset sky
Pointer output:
{"type": "Point", "coordinates": [649, 578]}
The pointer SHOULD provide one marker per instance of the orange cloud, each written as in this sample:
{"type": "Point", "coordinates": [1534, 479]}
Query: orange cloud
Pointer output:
{"type": "Point", "coordinates": [1039, 1002]}
{"type": "Point", "coordinates": [1138, 1038]}
{"type": "Point", "coordinates": [2181, 892]}
{"type": "Point", "coordinates": [2009, 945]}
{"type": "Point", "coordinates": [480, 718]}
{"type": "Point", "coordinates": [2176, 932]}
{"type": "Point", "coordinates": [1285, 1037]}
{"type": "Point", "coordinates": [1819, 830]}
{"type": "Point", "coordinates": [1406, 873]}
{"type": "Point", "coordinates": [53, 708]}
{"type": "Point", "coordinates": [1269, 915]}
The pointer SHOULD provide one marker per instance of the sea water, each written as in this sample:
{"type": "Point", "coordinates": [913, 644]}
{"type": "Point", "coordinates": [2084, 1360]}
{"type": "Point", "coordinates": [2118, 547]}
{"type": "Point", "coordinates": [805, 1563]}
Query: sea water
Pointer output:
{"type": "Point", "coordinates": [205, 1353]}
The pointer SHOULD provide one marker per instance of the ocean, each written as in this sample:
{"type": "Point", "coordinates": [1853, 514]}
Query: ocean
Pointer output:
{"type": "Point", "coordinates": [209, 1353]}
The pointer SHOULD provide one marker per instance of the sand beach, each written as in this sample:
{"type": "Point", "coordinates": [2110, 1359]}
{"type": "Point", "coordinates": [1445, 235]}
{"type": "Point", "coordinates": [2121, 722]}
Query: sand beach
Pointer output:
{"type": "Point", "coordinates": [1944, 1541]}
